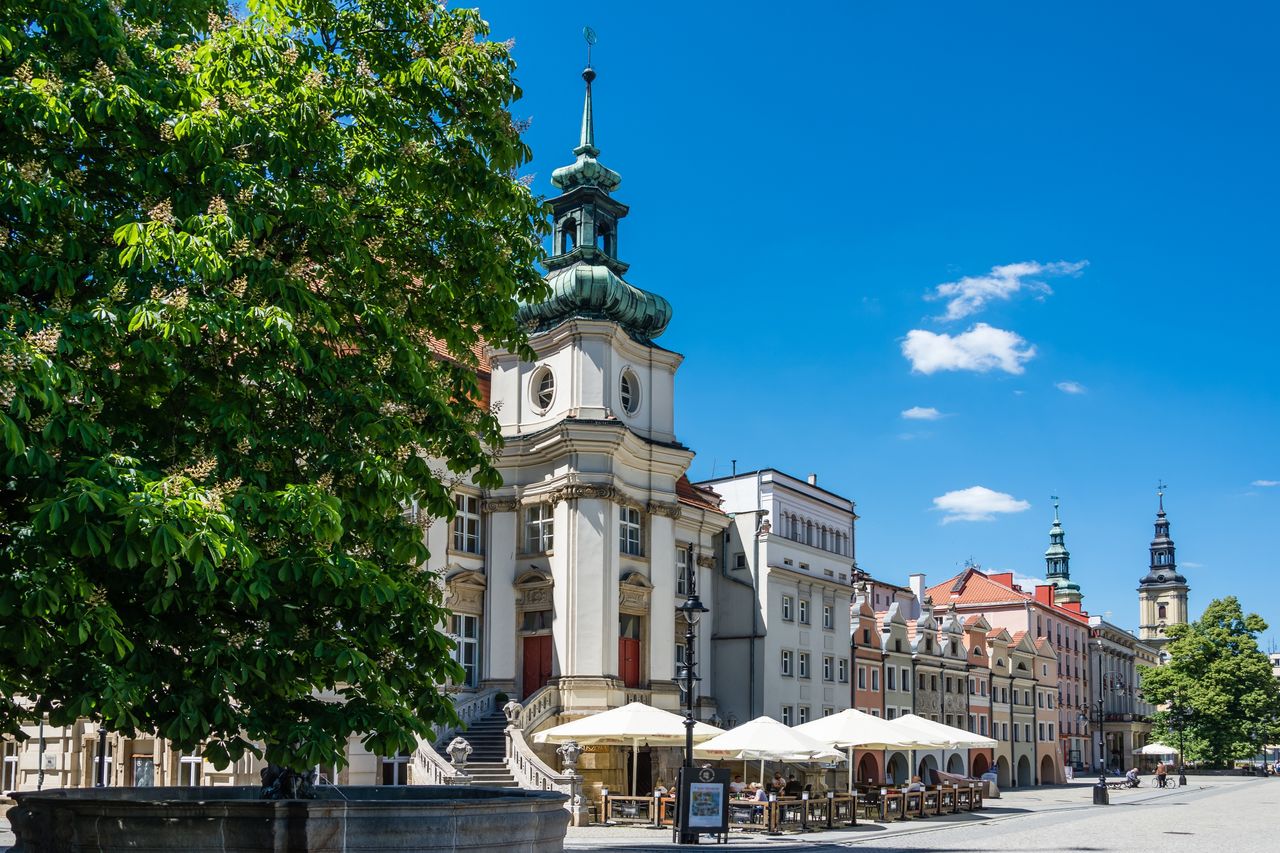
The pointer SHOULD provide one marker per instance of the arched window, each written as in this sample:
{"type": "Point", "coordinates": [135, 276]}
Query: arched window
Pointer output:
{"type": "Point", "coordinates": [1160, 611]}
{"type": "Point", "coordinates": [604, 238]}
{"type": "Point", "coordinates": [568, 236]}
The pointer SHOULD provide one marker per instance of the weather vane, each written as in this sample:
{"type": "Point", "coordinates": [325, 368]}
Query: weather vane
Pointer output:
{"type": "Point", "coordinates": [590, 36]}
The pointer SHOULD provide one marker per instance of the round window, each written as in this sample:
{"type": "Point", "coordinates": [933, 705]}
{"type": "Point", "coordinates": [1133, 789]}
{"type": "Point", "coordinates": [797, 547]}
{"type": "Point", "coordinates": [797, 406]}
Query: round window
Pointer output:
{"type": "Point", "coordinates": [629, 392]}
{"type": "Point", "coordinates": [542, 388]}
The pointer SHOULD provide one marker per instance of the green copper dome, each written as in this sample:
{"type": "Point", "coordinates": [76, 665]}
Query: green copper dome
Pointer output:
{"type": "Point", "coordinates": [595, 292]}
{"type": "Point", "coordinates": [583, 271]}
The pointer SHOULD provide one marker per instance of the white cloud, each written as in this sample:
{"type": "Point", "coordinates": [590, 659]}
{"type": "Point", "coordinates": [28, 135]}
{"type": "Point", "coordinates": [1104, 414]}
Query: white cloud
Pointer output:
{"type": "Point", "coordinates": [1071, 387]}
{"type": "Point", "coordinates": [1266, 484]}
{"type": "Point", "coordinates": [977, 503]}
{"type": "Point", "coordinates": [981, 349]}
{"type": "Point", "coordinates": [921, 413]}
{"type": "Point", "coordinates": [1187, 564]}
{"type": "Point", "coordinates": [971, 294]}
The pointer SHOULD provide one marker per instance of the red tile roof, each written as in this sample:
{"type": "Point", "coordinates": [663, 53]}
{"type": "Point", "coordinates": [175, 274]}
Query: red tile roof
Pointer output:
{"type": "Point", "coordinates": [973, 587]}
{"type": "Point", "coordinates": [702, 497]}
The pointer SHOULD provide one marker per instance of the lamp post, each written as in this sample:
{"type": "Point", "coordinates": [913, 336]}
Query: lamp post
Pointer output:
{"type": "Point", "coordinates": [691, 611]}
{"type": "Point", "coordinates": [1100, 795]}
{"type": "Point", "coordinates": [1180, 715]}
{"type": "Point", "coordinates": [101, 781]}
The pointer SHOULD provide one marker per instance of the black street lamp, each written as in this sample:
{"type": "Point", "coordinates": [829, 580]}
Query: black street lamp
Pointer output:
{"type": "Point", "coordinates": [1179, 715]}
{"type": "Point", "coordinates": [691, 611]}
{"type": "Point", "coordinates": [1100, 795]}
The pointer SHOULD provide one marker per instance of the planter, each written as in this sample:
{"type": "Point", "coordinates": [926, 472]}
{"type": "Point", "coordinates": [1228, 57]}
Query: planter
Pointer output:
{"type": "Point", "coordinates": [235, 820]}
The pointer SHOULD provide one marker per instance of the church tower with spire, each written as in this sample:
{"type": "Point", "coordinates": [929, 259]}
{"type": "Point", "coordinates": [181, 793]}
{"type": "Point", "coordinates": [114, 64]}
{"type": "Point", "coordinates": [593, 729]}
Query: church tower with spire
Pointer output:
{"type": "Point", "coordinates": [1162, 592]}
{"type": "Point", "coordinates": [1057, 561]}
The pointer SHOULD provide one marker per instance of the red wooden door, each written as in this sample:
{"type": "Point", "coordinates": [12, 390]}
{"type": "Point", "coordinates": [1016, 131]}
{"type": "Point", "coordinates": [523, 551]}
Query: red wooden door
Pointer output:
{"type": "Point", "coordinates": [537, 664]}
{"type": "Point", "coordinates": [629, 661]}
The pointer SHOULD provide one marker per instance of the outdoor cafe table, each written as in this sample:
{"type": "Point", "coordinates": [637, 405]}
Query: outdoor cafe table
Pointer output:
{"type": "Point", "coordinates": [618, 809]}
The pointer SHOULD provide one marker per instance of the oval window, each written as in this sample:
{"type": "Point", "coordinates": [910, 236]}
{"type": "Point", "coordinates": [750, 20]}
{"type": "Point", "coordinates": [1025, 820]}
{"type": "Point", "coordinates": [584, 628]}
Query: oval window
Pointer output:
{"type": "Point", "coordinates": [543, 388]}
{"type": "Point", "coordinates": [629, 392]}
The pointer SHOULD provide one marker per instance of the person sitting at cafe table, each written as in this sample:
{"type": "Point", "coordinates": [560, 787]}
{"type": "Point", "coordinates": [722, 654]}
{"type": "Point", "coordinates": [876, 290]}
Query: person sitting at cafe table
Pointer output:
{"type": "Point", "coordinates": [792, 788]}
{"type": "Point", "coordinates": [777, 783]}
{"type": "Point", "coordinates": [659, 789]}
{"type": "Point", "coordinates": [761, 795]}
{"type": "Point", "coordinates": [736, 786]}
{"type": "Point", "coordinates": [916, 784]}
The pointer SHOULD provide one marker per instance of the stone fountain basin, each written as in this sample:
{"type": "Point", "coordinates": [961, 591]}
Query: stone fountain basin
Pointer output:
{"type": "Point", "coordinates": [234, 820]}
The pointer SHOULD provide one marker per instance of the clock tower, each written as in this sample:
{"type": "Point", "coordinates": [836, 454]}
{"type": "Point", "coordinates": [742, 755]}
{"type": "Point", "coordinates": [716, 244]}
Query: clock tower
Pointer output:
{"type": "Point", "coordinates": [1162, 592]}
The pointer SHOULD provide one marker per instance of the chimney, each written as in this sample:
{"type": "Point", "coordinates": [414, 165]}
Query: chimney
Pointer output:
{"type": "Point", "coordinates": [813, 479]}
{"type": "Point", "coordinates": [916, 583]}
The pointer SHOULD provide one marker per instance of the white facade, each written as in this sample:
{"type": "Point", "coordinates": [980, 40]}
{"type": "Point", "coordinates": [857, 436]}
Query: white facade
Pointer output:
{"type": "Point", "coordinates": [782, 602]}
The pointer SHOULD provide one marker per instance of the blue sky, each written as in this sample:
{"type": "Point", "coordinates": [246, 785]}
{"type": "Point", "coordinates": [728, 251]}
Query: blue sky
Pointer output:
{"type": "Point", "coordinates": [803, 181]}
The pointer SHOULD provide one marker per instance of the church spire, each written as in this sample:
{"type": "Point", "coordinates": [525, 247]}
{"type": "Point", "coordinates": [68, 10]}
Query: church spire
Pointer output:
{"type": "Point", "coordinates": [587, 141]}
{"type": "Point", "coordinates": [584, 271]}
{"type": "Point", "coordinates": [1164, 566]}
{"type": "Point", "coordinates": [1057, 560]}
{"type": "Point", "coordinates": [1162, 591]}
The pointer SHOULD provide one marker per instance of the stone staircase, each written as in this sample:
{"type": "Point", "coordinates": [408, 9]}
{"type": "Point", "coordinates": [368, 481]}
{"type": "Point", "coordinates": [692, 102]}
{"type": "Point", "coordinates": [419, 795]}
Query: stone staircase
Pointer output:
{"type": "Point", "coordinates": [487, 765]}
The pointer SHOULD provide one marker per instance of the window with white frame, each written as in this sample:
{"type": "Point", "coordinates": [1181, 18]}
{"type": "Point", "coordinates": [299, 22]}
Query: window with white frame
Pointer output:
{"type": "Point", "coordinates": [889, 713]}
{"type": "Point", "coordinates": [786, 715]}
{"type": "Point", "coordinates": [827, 667]}
{"type": "Point", "coordinates": [891, 678]}
{"type": "Point", "coordinates": [842, 670]}
{"type": "Point", "coordinates": [466, 633]}
{"type": "Point", "coordinates": [539, 528]}
{"type": "Point", "coordinates": [786, 608]}
{"type": "Point", "coordinates": [682, 571]}
{"type": "Point", "coordinates": [875, 680]}
{"type": "Point", "coordinates": [9, 769]}
{"type": "Point", "coordinates": [804, 714]}
{"type": "Point", "coordinates": [630, 530]}
{"type": "Point", "coordinates": [827, 621]}
{"type": "Point", "coordinates": [827, 711]}
{"type": "Point", "coordinates": [804, 611]}
{"type": "Point", "coordinates": [1051, 731]}
{"type": "Point", "coordinates": [906, 679]}
{"type": "Point", "coordinates": [786, 661]}
{"type": "Point", "coordinates": [802, 667]}
{"type": "Point", "coordinates": [190, 768]}
{"type": "Point", "coordinates": [982, 726]}
{"type": "Point", "coordinates": [467, 524]}
{"type": "Point", "coordinates": [395, 769]}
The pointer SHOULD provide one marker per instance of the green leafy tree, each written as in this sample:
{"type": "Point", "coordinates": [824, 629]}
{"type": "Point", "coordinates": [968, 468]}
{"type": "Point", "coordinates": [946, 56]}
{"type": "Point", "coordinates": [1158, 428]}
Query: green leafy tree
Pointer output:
{"type": "Point", "coordinates": [1219, 678]}
{"type": "Point", "coordinates": [243, 267]}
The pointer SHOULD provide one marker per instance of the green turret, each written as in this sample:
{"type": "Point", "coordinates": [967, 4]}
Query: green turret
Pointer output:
{"type": "Point", "coordinates": [583, 271]}
{"type": "Point", "coordinates": [1058, 563]}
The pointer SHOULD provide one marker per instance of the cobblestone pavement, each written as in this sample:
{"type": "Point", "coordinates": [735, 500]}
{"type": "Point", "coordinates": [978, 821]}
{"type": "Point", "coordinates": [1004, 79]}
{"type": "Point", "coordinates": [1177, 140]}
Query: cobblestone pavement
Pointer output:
{"type": "Point", "coordinates": [1212, 813]}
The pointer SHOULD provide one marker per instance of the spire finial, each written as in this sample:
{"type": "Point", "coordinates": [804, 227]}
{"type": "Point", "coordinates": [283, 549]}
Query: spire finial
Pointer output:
{"type": "Point", "coordinates": [1160, 487]}
{"type": "Point", "coordinates": [587, 142]}
{"type": "Point", "coordinates": [1054, 498]}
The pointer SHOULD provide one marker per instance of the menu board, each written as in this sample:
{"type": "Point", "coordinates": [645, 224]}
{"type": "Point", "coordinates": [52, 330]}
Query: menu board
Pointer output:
{"type": "Point", "coordinates": [704, 799]}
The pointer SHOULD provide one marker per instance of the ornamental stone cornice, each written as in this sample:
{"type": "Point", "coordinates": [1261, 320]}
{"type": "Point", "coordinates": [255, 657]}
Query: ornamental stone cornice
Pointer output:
{"type": "Point", "coordinates": [665, 509]}
{"type": "Point", "coordinates": [707, 562]}
{"type": "Point", "coordinates": [500, 505]}
{"type": "Point", "coordinates": [584, 491]}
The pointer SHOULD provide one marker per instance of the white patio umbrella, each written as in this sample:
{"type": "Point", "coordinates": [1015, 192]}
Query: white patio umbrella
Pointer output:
{"type": "Point", "coordinates": [1155, 749]}
{"type": "Point", "coordinates": [853, 729]}
{"type": "Point", "coordinates": [630, 725]}
{"type": "Point", "coordinates": [765, 739]}
{"type": "Point", "coordinates": [943, 736]}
